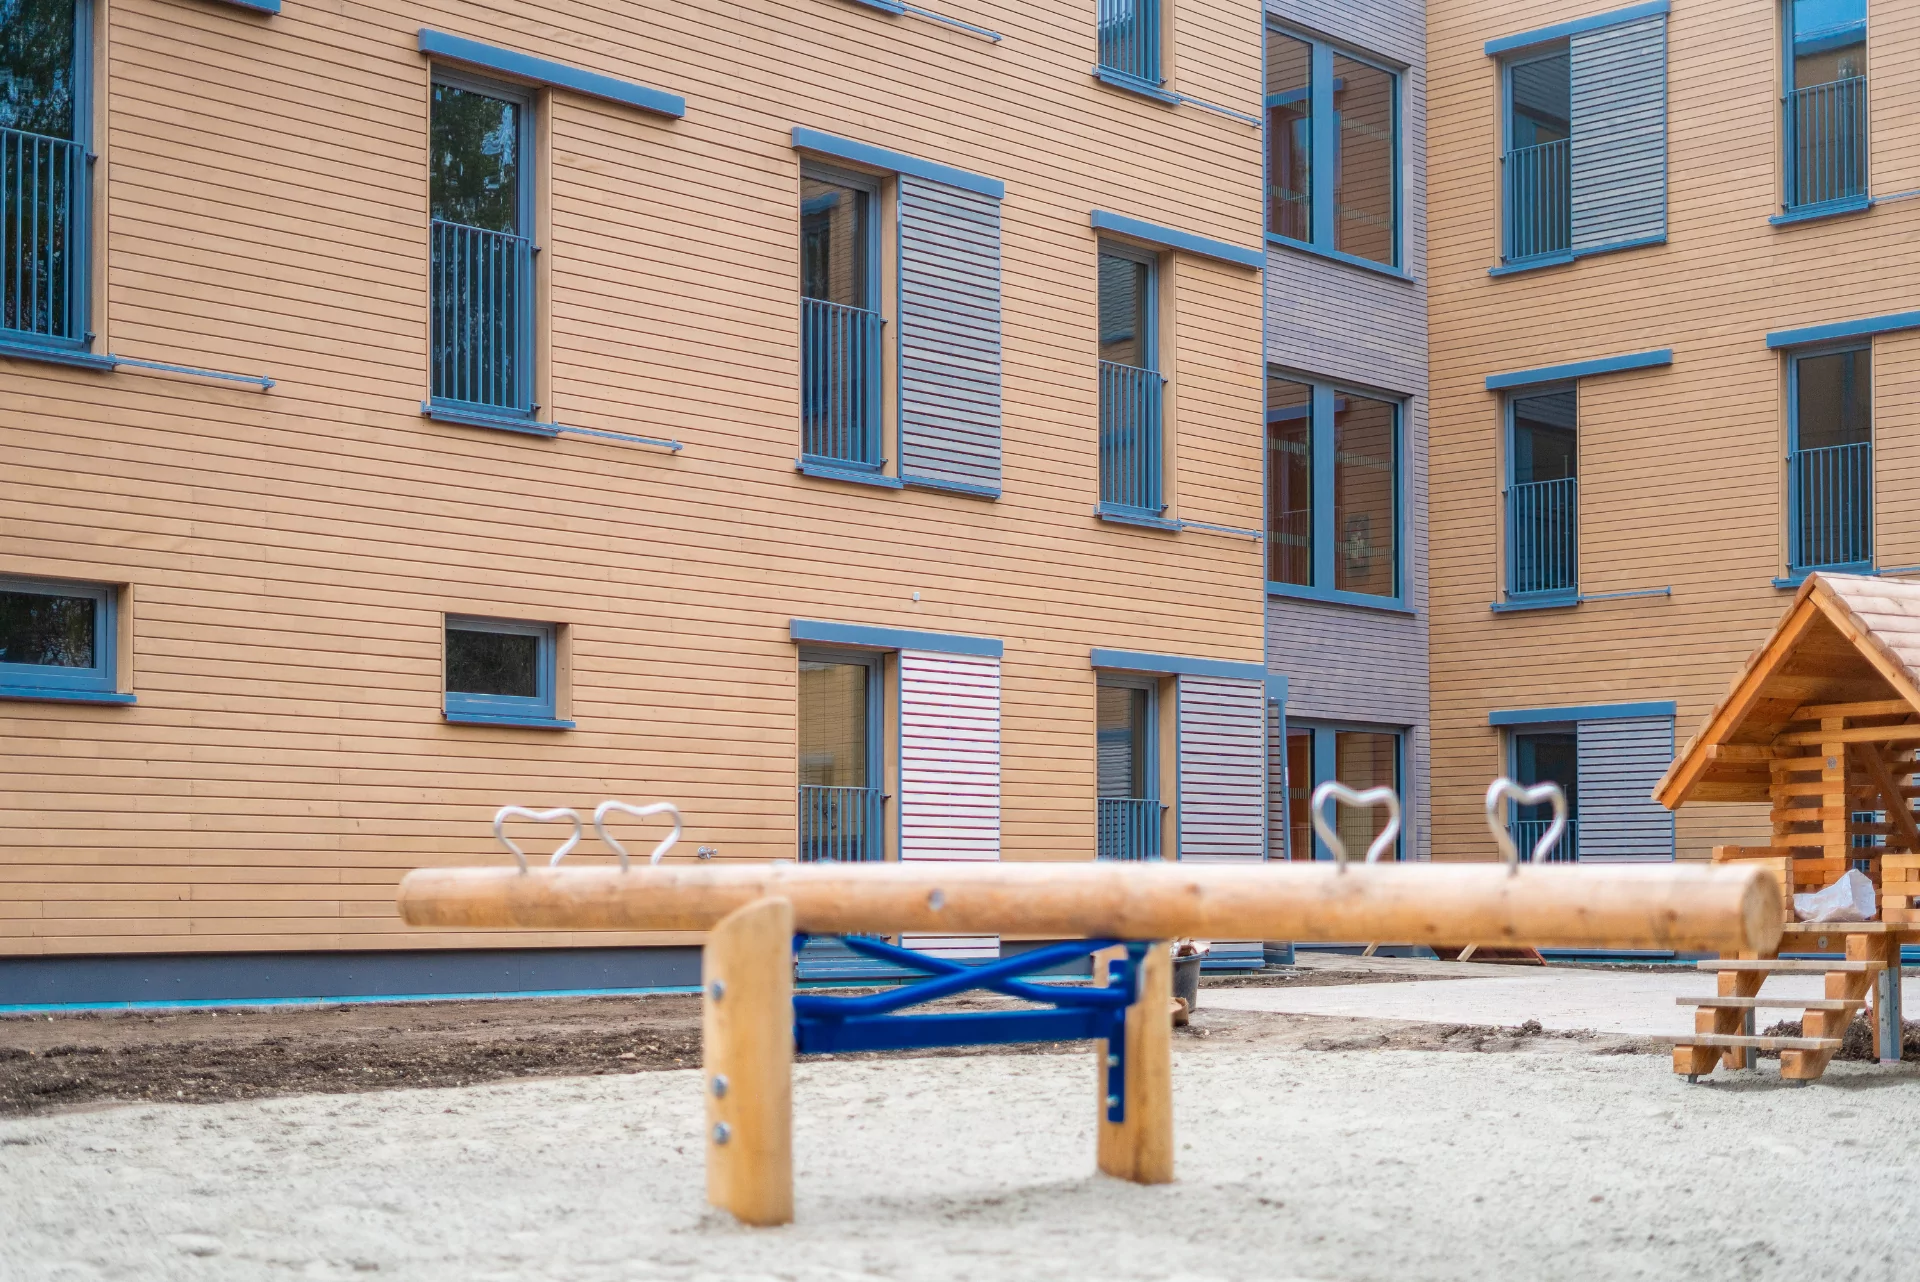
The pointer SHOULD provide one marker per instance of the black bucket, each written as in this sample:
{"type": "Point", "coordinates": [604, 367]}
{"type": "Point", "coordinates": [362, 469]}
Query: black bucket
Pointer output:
{"type": "Point", "coordinates": [1186, 981]}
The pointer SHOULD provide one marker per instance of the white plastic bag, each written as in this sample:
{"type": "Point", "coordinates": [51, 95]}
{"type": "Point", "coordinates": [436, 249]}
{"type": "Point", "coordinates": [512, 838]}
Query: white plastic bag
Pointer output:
{"type": "Point", "coordinates": [1849, 899]}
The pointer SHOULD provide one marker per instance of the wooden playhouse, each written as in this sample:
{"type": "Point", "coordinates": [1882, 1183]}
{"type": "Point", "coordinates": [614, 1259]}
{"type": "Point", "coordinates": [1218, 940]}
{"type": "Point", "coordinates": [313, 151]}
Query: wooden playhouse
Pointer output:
{"type": "Point", "coordinates": [1823, 722]}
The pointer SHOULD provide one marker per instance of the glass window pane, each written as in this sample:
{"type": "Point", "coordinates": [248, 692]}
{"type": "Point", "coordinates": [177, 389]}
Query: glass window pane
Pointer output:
{"type": "Point", "coordinates": [475, 178]}
{"type": "Point", "coordinates": [1365, 502]}
{"type": "Point", "coordinates": [1124, 300]}
{"type": "Point", "coordinates": [1829, 41]}
{"type": "Point", "coordinates": [1300, 793]}
{"type": "Point", "coordinates": [1365, 759]}
{"type": "Point", "coordinates": [1289, 136]}
{"type": "Point", "coordinates": [1835, 399]}
{"type": "Point", "coordinates": [834, 251]}
{"type": "Point", "coordinates": [1548, 757]}
{"type": "Point", "coordinates": [1289, 481]}
{"type": "Point", "coordinates": [47, 631]}
{"type": "Point", "coordinates": [506, 663]}
{"type": "Point", "coordinates": [833, 724]}
{"type": "Point", "coordinates": [36, 66]}
{"type": "Point", "coordinates": [1121, 736]}
{"type": "Point", "coordinates": [1542, 102]}
{"type": "Point", "coordinates": [1363, 169]}
{"type": "Point", "coordinates": [1545, 437]}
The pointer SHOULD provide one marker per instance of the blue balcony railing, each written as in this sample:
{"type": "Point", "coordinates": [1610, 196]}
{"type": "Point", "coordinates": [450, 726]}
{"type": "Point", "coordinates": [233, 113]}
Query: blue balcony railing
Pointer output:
{"type": "Point", "coordinates": [1543, 521]}
{"type": "Point", "coordinates": [1130, 463]}
{"type": "Point", "coordinates": [840, 382]}
{"type": "Point", "coordinates": [43, 238]}
{"type": "Point", "coordinates": [482, 284]}
{"type": "Point", "coordinates": [840, 824]}
{"type": "Point", "coordinates": [1830, 506]}
{"type": "Point", "coordinates": [1539, 200]}
{"type": "Point", "coordinates": [1130, 38]}
{"type": "Point", "coordinates": [1527, 833]}
{"type": "Point", "coordinates": [1826, 136]}
{"type": "Point", "coordinates": [1129, 828]}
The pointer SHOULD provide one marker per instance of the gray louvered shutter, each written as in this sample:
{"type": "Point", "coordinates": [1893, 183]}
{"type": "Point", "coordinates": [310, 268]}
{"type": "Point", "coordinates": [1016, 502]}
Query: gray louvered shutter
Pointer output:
{"type": "Point", "coordinates": [1620, 762]}
{"type": "Point", "coordinates": [1619, 149]}
{"type": "Point", "coordinates": [949, 336]}
{"type": "Point", "coordinates": [1223, 768]}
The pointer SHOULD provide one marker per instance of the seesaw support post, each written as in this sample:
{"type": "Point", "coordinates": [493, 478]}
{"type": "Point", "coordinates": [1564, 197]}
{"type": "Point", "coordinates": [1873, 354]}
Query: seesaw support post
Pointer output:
{"type": "Point", "coordinates": [746, 979]}
{"type": "Point", "coordinates": [1140, 1146]}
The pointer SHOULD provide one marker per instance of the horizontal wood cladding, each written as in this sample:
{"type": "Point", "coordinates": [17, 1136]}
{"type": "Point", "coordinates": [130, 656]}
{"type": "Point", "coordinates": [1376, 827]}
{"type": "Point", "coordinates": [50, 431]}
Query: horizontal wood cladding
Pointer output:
{"type": "Point", "coordinates": [1681, 469]}
{"type": "Point", "coordinates": [290, 556]}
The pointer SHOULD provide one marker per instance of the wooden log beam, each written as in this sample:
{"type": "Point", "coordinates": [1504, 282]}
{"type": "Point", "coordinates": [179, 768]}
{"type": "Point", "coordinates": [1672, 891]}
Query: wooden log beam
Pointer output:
{"type": "Point", "coordinates": [1891, 800]}
{"type": "Point", "coordinates": [1856, 734]}
{"type": "Point", "coordinates": [1868, 708]}
{"type": "Point", "coordinates": [1720, 908]}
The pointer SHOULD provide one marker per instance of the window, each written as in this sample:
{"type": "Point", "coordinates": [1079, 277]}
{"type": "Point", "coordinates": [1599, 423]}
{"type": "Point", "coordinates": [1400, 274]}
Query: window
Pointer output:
{"type": "Point", "coordinates": [501, 672]}
{"type": "Point", "coordinates": [1547, 755]}
{"type": "Point", "coordinates": [1127, 752]}
{"type": "Point", "coordinates": [840, 323]}
{"type": "Point", "coordinates": [45, 180]}
{"type": "Point", "coordinates": [1824, 104]}
{"type": "Point", "coordinates": [841, 801]}
{"type": "Point", "coordinates": [1538, 166]}
{"type": "Point", "coordinates": [1830, 461]}
{"type": "Point", "coordinates": [58, 641]}
{"type": "Point", "coordinates": [1333, 492]}
{"type": "Point", "coordinates": [1607, 759]}
{"type": "Point", "coordinates": [1130, 387]}
{"type": "Point", "coordinates": [1333, 150]}
{"type": "Point", "coordinates": [480, 195]}
{"type": "Point", "coordinates": [1542, 499]}
{"type": "Point", "coordinates": [1130, 40]}
{"type": "Point", "coordinates": [1358, 758]}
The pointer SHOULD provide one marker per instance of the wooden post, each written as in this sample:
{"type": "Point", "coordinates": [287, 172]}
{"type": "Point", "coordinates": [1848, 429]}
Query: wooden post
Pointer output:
{"type": "Point", "coordinates": [746, 976]}
{"type": "Point", "coordinates": [1141, 1147]}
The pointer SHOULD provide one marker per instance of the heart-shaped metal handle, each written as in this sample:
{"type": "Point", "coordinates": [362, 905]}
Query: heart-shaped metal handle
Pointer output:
{"type": "Point", "coordinates": [505, 813]}
{"type": "Point", "coordinates": [601, 811]}
{"type": "Point", "coordinates": [1333, 790]}
{"type": "Point", "coordinates": [1503, 790]}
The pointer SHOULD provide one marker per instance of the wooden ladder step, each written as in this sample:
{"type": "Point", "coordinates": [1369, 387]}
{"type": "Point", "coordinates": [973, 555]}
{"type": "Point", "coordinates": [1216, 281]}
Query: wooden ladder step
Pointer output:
{"type": "Point", "coordinates": [1758, 1043]}
{"type": "Point", "coordinates": [1770, 1003]}
{"type": "Point", "coordinates": [1777, 967]}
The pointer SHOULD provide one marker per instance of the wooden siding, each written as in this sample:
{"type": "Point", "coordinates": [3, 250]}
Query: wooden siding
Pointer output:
{"type": "Point", "coordinates": [1681, 471]}
{"type": "Point", "coordinates": [291, 555]}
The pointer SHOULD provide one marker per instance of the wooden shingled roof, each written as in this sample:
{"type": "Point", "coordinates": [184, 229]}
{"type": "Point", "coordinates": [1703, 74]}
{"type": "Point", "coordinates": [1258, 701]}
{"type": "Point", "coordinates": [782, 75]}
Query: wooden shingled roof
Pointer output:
{"type": "Point", "coordinates": [1846, 639]}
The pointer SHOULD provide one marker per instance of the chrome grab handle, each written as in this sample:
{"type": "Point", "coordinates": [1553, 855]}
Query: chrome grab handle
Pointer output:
{"type": "Point", "coordinates": [505, 813]}
{"type": "Point", "coordinates": [1333, 790]}
{"type": "Point", "coordinates": [601, 811]}
{"type": "Point", "coordinates": [1502, 790]}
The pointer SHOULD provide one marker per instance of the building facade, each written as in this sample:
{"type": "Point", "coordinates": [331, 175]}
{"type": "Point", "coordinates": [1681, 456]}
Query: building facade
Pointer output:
{"type": "Point", "coordinates": [838, 420]}
{"type": "Point", "coordinates": [1673, 352]}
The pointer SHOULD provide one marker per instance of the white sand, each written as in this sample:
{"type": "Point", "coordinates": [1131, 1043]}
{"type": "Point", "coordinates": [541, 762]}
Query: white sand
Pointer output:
{"type": "Point", "coordinates": [1552, 1164]}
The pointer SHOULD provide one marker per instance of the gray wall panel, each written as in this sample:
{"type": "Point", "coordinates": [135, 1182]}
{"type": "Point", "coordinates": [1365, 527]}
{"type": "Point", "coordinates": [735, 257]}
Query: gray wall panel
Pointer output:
{"type": "Point", "coordinates": [1620, 762]}
{"type": "Point", "coordinates": [1620, 133]}
{"type": "Point", "coordinates": [949, 334]}
{"type": "Point", "coordinates": [1223, 770]}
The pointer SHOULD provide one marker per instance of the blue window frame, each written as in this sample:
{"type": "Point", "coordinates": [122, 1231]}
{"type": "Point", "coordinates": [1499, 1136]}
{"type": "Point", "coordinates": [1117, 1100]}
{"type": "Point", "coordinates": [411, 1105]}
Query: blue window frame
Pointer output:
{"type": "Point", "coordinates": [1126, 768]}
{"type": "Point", "coordinates": [502, 672]}
{"type": "Point", "coordinates": [842, 797]}
{"type": "Point", "coordinates": [481, 248]}
{"type": "Point", "coordinates": [1542, 496]}
{"type": "Point", "coordinates": [1335, 525]}
{"type": "Point", "coordinates": [1359, 756]}
{"type": "Point", "coordinates": [46, 174]}
{"type": "Point", "coordinates": [1545, 754]}
{"type": "Point", "coordinates": [1130, 36]}
{"type": "Point", "coordinates": [59, 641]}
{"type": "Point", "coordinates": [840, 321]}
{"type": "Point", "coordinates": [1132, 462]}
{"type": "Point", "coordinates": [1830, 460]}
{"type": "Point", "coordinates": [1536, 163]}
{"type": "Point", "coordinates": [1333, 150]}
{"type": "Point", "coordinates": [1824, 106]}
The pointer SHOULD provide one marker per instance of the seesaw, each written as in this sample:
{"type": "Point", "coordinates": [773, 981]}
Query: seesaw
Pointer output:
{"type": "Point", "coordinates": [755, 915]}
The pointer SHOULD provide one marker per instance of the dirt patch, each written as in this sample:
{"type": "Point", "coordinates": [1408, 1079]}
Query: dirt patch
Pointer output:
{"type": "Point", "coordinates": [1855, 1043]}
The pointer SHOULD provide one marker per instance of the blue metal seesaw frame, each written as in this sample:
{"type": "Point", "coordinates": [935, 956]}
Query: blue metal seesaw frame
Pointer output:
{"type": "Point", "coordinates": [1076, 1012]}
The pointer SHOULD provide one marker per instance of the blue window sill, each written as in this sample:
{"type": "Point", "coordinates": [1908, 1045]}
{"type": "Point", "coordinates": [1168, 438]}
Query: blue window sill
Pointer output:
{"type": "Point", "coordinates": [1531, 264]}
{"type": "Point", "coordinates": [837, 470]}
{"type": "Point", "coordinates": [1335, 596]}
{"type": "Point", "coordinates": [471, 416]}
{"type": "Point", "coordinates": [1134, 516]}
{"type": "Point", "coordinates": [950, 487]}
{"type": "Point", "coordinates": [1334, 255]}
{"type": "Point", "coordinates": [258, 6]}
{"type": "Point", "coordinates": [1825, 209]}
{"type": "Point", "coordinates": [1536, 601]}
{"type": "Point", "coordinates": [43, 694]}
{"type": "Point", "coordinates": [505, 719]}
{"type": "Point", "coordinates": [26, 349]}
{"type": "Point", "coordinates": [1133, 84]}
{"type": "Point", "coordinates": [1792, 580]}
{"type": "Point", "coordinates": [884, 6]}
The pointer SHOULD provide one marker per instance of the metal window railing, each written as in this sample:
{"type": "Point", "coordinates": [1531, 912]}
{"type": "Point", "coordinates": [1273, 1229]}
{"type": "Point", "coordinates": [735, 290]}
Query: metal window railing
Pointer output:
{"type": "Point", "coordinates": [1539, 199]}
{"type": "Point", "coordinates": [840, 824]}
{"type": "Point", "coordinates": [43, 236]}
{"type": "Point", "coordinates": [1130, 38]}
{"type": "Point", "coordinates": [1526, 832]}
{"type": "Point", "coordinates": [1831, 506]}
{"type": "Point", "coordinates": [1129, 828]}
{"type": "Point", "coordinates": [1826, 137]}
{"type": "Point", "coordinates": [482, 295]}
{"type": "Point", "coordinates": [1543, 519]}
{"type": "Point", "coordinates": [839, 382]}
{"type": "Point", "coordinates": [1130, 463]}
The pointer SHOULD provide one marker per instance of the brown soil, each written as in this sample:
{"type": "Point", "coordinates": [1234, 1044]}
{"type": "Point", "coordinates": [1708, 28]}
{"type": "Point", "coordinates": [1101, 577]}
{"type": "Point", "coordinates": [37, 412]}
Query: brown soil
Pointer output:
{"type": "Point", "coordinates": [61, 1062]}
{"type": "Point", "coordinates": [1855, 1043]}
